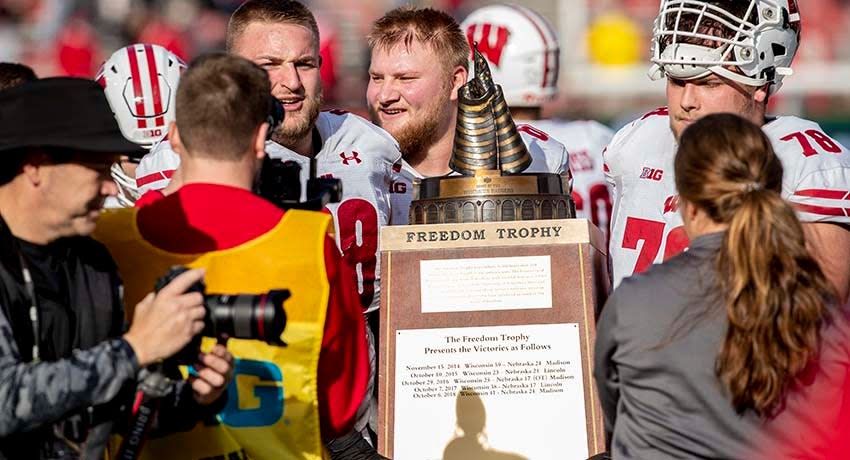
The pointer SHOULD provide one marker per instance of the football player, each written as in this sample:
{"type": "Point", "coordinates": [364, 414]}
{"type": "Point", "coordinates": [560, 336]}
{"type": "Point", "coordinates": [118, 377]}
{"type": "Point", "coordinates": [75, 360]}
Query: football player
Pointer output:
{"type": "Point", "coordinates": [419, 61]}
{"type": "Point", "coordinates": [140, 83]}
{"type": "Point", "coordinates": [721, 56]}
{"type": "Point", "coordinates": [282, 37]}
{"type": "Point", "coordinates": [523, 51]}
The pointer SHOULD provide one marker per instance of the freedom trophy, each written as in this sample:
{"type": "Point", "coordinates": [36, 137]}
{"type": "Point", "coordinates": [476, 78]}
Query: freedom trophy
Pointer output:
{"type": "Point", "coordinates": [490, 156]}
{"type": "Point", "coordinates": [488, 305]}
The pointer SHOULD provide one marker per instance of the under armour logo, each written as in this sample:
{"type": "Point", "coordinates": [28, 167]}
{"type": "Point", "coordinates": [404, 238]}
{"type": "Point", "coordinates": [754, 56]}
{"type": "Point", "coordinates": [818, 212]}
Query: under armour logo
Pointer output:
{"type": "Point", "coordinates": [354, 156]}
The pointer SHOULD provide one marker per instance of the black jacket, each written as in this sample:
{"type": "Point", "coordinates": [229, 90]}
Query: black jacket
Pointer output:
{"type": "Point", "coordinates": [86, 372]}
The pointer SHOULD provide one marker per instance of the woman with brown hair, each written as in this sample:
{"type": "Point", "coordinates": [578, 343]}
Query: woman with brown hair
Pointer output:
{"type": "Point", "coordinates": [734, 347]}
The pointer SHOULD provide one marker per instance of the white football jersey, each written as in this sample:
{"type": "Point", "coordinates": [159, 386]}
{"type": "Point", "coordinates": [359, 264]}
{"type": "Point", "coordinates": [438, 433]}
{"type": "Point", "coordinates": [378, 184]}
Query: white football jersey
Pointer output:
{"type": "Point", "coordinates": [156, 167]}
{"type": "Point", "coordinates": [646, 225]}
{"type": "Point", "coordinates": [365, 158]}
{"type": "Point", "coordinates": [547, 156]}
{"type": "Point", "coordinates": [585, 140]}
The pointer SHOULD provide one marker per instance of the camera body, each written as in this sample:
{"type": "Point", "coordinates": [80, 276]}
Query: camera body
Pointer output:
{"type": "Point", "coordinates": [280, 183]}
{"type": "Point", "coordinates": [239, 316]}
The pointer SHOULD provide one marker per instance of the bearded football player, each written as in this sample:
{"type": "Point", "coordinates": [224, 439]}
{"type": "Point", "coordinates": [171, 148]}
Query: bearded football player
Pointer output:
{"type": "Point", "coordinates": [419, 62]}
{"type": "Point", "coordinates": [282, 37]}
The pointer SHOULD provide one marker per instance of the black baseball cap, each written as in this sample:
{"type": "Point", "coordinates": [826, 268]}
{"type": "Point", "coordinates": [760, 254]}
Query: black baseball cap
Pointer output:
{"type": "Point", "coordinates": [61, 112]}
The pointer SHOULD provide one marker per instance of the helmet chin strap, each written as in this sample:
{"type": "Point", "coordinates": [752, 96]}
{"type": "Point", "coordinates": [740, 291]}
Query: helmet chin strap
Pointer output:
{"type": "Point", "coordinates": [128, 193]}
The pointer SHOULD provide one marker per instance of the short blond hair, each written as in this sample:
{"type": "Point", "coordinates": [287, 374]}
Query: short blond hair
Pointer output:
{"type": "Point", "coordinates": [426, 25]}
{"type": "Point", "coordinates": [274, 11]}
{"type": "Point", "coordinates": [221, 101]}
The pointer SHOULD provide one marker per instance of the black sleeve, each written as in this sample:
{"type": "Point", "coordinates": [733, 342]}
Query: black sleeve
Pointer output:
{"type": "Point", "coordinates": [119, 324]}
{"type": "Point", "coordinates": [604, 369]}
{"type": "Point", "coordinates": [180, 412]}
{"type": "Point", "coordinates": [39, 393]}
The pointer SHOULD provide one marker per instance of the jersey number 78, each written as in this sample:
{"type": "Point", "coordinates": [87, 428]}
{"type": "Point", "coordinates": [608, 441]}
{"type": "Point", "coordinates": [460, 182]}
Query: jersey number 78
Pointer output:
{"type": "Point", "coordinates": [651, 233]}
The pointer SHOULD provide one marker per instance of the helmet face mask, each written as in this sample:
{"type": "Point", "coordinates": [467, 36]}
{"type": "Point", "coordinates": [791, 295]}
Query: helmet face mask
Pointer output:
{"type": "Point", "coordinates": [522, 50]}
{"type": "Point", "coordinates": [128, 192]}
{"type": "Point", "coordinates": [140, 83]}
{"type": "Point", "coordinates": [755, 47]}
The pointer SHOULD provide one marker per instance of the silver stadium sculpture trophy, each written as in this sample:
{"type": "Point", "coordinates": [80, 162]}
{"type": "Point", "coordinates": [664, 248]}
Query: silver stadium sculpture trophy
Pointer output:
{"type": "Point", "coordinates": [490, 157]}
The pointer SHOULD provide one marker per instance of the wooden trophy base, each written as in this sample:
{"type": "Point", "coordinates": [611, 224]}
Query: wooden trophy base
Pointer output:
{"type": "Point", "coordinates": [486, 340]}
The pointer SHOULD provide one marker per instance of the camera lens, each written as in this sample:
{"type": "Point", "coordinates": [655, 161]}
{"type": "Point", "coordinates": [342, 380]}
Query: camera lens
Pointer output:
{"type": "Point", "coordinates": [254, 317]}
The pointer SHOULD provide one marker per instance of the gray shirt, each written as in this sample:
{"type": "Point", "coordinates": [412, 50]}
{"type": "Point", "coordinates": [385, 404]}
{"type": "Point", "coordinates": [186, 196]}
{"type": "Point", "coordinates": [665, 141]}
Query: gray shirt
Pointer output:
{"type": "Point", "coordinates": [658, 338]}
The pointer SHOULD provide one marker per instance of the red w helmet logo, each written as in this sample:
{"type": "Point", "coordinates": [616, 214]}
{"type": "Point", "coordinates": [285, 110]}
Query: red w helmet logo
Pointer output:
{"type": "Point", "coordinates": [491, 47]}
{"type": "Point", "coordinates": [354, 157]}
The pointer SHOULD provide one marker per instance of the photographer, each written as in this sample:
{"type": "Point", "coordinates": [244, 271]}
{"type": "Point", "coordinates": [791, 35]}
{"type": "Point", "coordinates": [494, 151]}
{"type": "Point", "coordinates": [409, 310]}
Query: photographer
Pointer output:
{"type": "Point", "coordinates": [286, 394]}
{"type": "Point", "coordinates": [66, 372]}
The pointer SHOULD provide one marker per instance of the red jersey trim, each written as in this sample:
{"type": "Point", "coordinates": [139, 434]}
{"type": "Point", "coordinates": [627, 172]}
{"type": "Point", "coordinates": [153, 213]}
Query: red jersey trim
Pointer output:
{"type": "Point", "coordinates": [824, 193]}
{"type": "Point", "coordinates": [153, 177]}
{"type": "Point", "coordinates": [822, 210]}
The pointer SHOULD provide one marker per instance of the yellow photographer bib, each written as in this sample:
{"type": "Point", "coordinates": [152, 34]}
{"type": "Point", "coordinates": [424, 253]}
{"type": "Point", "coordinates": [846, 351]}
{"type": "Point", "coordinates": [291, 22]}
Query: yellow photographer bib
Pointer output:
{"type": "Point", "coordinates": [272, 407]}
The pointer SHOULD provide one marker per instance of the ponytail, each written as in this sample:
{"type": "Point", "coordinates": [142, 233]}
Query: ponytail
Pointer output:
{"type": "Point", "coordinates": [775, 293]}
{"type": "Point", "coordinates": [774, 302]}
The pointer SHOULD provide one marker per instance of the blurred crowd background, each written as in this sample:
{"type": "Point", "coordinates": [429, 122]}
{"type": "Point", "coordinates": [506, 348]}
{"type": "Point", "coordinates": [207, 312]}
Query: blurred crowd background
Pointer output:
{"type": "Point", "coordinates": [604, 47]}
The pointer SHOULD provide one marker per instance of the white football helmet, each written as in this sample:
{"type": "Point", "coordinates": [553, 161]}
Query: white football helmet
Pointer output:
{"type": "Point", "coordinates": [522, 49]}
{"type": "Point", "coordinates": [140, 82]}
{"type": "Point", "coordinates": [692, 38]}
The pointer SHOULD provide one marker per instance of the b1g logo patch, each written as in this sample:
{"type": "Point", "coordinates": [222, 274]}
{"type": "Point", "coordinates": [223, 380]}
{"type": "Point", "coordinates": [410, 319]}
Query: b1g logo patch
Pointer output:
{"type": "Point", "coordinates": [652, 174]}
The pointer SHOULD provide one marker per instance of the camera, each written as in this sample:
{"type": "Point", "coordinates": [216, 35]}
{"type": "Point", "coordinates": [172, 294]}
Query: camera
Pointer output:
{"type": "Point", "coordinates": [239, 316]}
{"type": "Point", "coordinates": [280, 183]}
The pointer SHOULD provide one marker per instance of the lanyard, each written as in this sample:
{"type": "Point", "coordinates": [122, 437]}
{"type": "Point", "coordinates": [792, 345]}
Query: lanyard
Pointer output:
{"type": "Point", "coordinates": [33, 311]}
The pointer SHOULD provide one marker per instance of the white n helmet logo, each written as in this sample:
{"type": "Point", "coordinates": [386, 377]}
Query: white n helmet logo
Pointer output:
{"type": "Point", "coordinates": [490, 44]}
